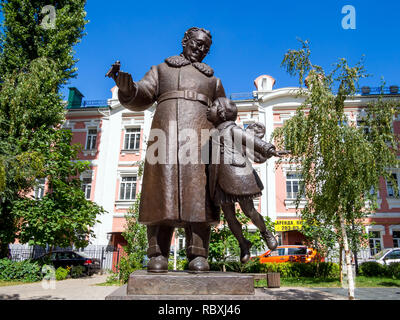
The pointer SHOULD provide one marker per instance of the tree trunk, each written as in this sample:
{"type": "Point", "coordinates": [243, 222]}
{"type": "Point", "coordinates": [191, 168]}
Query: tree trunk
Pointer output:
{"type": "Point", "coordinates": [341, 263]}
{"type": "Point", "coordinates": [350, 277]}
{"type": "Point", "coordinates": [4, 251]}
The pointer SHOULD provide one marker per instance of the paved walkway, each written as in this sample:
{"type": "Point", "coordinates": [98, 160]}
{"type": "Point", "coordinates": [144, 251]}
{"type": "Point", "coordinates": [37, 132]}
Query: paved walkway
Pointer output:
{"type": "Point", "coordinates": [86, 289]}
{"type": "Point", "coordinates": [71, 289]}
{"type": "Point", "coordinates": [366, 293]}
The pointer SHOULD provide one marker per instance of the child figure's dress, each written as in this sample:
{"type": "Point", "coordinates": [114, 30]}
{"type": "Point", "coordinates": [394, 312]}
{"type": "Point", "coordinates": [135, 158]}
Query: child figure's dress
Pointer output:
{"type": "Point", "coordinates": [232, 177]}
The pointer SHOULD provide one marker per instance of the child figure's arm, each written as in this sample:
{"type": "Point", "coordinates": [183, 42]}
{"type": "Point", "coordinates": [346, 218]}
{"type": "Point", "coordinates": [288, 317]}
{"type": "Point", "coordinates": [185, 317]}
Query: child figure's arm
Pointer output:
{"type": "Point", "coordinates": [248, 140]}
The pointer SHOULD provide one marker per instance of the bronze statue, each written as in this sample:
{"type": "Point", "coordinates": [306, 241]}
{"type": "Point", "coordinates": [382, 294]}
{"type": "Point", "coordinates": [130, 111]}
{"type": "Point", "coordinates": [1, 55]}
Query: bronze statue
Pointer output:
{"type": "Point", "coordinates": [175, 194]}
{"type": "Point", "coordinates": [232, 177]}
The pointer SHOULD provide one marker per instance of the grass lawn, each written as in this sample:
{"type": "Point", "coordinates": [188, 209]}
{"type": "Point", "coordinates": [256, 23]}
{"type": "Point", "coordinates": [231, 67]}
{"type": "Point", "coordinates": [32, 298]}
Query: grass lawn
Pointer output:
{"type": "Point", "coordinates": [110, 283]}
{"type": "Point", "coordinates": [361, 282]}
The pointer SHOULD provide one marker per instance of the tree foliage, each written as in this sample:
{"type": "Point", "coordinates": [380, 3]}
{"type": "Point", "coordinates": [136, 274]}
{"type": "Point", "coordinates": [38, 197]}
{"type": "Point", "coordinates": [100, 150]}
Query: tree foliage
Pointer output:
{"type": "Point", "coordinates": [135, 235]}
{"type": "Point", "coordinates": [224, 247]}
{"type": "Point", "coordinates": [63, 217]}
{"type": "Point", "coordinates": [35, 62]}
{"type": "Point", "coordinates": [340, 163]}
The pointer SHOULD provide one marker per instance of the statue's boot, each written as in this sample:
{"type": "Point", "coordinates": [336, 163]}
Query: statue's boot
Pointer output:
{"type": "Point", "coordinates": [245, 251]}
{"type": "Point", "coordinates": [158, 264]}
{"type": "Point", "coordinates": [270, 240]}
{"type": "Point", "coordinates": [199, 264]}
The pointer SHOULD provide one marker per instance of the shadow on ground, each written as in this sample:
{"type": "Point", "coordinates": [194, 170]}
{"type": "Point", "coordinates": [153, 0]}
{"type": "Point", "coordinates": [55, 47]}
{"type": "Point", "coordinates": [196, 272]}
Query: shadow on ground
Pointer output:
{"type": "Point", "coordinates": [296, 294]}
{"type": "Point", "coordinates": [389, 284]}
{"type": "Point", "coordinates": [17, 297]}
{"type": "Point", "coordinates": [9, 297]}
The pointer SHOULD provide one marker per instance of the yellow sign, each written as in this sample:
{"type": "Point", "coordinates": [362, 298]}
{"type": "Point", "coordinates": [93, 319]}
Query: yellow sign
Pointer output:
{"type": "Point", "coordinates": [288, 225]}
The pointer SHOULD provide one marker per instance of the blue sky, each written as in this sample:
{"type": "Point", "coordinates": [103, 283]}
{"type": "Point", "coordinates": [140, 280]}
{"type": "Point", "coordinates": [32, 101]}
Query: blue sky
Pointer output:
{"type": "Point", "coordinates": [249, 38]}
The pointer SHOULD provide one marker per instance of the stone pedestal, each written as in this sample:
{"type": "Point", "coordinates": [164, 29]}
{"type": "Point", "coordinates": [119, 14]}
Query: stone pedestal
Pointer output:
{"type": "Point", "coordinates": [183, 285]}
{"type": "Point", "coordinates": [186, 283]}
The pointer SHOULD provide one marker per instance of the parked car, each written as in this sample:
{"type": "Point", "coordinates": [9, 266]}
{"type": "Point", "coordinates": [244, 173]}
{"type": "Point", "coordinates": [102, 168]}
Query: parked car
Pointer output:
{"type": "Point", "coordinates": [71, 258]}
{"type": "Point", "coordinates": [387, 256]}
{"type": "Point", "coordinates": [291, 253]}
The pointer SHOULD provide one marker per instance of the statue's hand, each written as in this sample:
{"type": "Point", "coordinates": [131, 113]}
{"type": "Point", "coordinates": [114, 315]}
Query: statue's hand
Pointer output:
{"type": "Point", "coordinates": [124, 82]}
{"type": "Point", "coordinates": [270, 151]}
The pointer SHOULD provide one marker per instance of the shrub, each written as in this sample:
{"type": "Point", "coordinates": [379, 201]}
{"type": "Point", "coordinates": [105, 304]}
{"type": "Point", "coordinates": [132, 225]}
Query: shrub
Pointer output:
{"type": "Point", "coordinates": [181, 264]}
{"type": "Point", "coordinates": [77, 271]}
{"type": "Point", "coordinates": [127, 265]}
{"type": "Point", "coordinates": [372, 269]}
{"type": "Point", "coordinates": [25, 271]}
{"type": "Point", "coordinates": [61, 274]}
{"type": "Point", "coordinates": [294, 269]}
{"type": "Point", "coordinates": [393, 270]}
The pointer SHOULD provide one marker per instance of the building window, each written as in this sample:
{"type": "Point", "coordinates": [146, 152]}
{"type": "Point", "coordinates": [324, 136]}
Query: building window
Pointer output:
{"type": "Point", "coordinates": [127, 189]}
{"type": "Point", "coordinates": [375, 244]}
{"type": "Point", "coordinates": [87, 187]}
{"type": "Point", "coordinates": [362, 124]}
{"type": "Point", "coordinates": [396, 239]}
{"type": "Point", "coordinates": [389, 186]}
{"type": "Point", "coordinates": [132, 139]}
{"type": "Point", "coordinates": [91, 139]}
{"type": "Point", "coordinates": [293, 185]}
{"type": "Point", "coordinates": [39, 189]}
{"type": "Point", "coordinates": [181, 243]}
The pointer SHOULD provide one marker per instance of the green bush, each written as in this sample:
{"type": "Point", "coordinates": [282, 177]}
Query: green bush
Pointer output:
{"type": "Point", "coordinates": [25, 271]}
{"type": "Point", "coordinates": [287, 269]}
{"type": "Point", "coordinates": [393, 270]}
{"type": "Point", "coordinates": [181, 264]}
{"type": "Point", "coordinates": [372, 269]}
{"type": "Point", "coordinates": [127, 265]}
{"type": "Point", "coordinates": [77, 271]}
{"type": "Point", "coordinates": [61, 274]}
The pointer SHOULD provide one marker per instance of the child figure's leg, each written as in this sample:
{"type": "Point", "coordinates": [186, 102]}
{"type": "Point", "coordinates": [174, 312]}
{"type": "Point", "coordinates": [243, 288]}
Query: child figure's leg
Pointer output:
{"type": "Point", "coordinates": [236, 228]}
{"type": "Point", "coordinates": [249, 210]}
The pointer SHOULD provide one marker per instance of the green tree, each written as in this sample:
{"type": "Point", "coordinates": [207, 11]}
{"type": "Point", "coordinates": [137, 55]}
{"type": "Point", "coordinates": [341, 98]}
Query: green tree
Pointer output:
{"type": "Point", "coordinates": [135, 235]}
{"type": "Point", "coordinates": [34, 64]}
{"type": "Point", "coordinates": [223, 245]}
{"type": "Point", "coordinates": [341, 164]}
{"type": "Point", "coordinates": [63, 217]}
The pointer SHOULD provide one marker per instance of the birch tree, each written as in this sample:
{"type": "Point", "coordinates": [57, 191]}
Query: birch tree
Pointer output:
{"type": "Point", "coordinates": [340, 163]}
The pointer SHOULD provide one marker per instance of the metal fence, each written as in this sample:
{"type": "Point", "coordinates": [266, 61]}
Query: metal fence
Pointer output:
{"type": "Point", "coordinates": [109, 256]}
{"type": "Point", "coordinates": [362, 255]}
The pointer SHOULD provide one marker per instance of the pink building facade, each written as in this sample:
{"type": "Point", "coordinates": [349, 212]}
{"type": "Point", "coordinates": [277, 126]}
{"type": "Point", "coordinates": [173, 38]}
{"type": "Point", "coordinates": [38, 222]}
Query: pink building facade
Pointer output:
{"type": "Point", "coordinates": [114, 142]}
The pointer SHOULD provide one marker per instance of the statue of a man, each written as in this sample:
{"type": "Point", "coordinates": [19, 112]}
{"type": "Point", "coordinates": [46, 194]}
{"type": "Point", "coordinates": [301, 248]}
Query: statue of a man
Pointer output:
{"type": "Point", "coordinates": [175, 194]}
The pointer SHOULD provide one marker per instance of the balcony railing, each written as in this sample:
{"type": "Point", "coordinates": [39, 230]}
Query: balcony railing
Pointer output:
{"type": "Point", "coordinates": [89, 104]}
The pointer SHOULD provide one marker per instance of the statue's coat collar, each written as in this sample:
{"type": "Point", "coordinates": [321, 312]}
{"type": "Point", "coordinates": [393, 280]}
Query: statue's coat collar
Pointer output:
{"type": "Point", "coordinates": [180, 61]}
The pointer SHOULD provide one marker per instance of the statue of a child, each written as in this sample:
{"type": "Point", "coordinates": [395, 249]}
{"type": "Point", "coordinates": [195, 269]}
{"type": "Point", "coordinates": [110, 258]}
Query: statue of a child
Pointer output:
{"type": "Point", "coordinates": [232, 177]}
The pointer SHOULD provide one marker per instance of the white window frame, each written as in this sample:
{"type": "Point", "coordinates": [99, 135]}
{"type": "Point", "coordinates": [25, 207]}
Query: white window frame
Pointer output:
{"type": "Point", "coordinates": [39, 189]}
{"type": "Point", "coordinates": [85, 176]}
{"type": "Point", "coordinates": [389, 188]}
{"type": "Point", "coordinates": [136, 136]}
{"type": "Point", "coordinates": [381, 230]}
{"type": "Point", "coordinates": [133, 191]}
{"type": "Point", "coordinates": [91, 139]}
{"type": "Point", "coordinates": [87, 187]}
{"type": "Point", "coordinates": [396, 240]}
{"type": "Point", "coordinates": [292, 180]}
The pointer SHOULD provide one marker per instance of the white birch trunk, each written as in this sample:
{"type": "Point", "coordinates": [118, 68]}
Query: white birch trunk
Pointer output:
{"type": "Point", "coordinates": [175, 250]}
{"type": "Point", "coordinates": [350, 277]}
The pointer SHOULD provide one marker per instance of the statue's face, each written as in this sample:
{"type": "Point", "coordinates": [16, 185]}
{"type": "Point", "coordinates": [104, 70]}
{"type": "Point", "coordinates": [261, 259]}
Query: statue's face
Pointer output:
{"type": "Point", "coordinates": [197, 47]}
{"type": "Point", "coordinates": [212, 113]}
{"type": "Point", "coordinates": [256, 130]}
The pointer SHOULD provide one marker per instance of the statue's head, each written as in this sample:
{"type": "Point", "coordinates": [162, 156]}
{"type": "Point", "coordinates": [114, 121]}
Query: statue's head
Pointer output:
{"type": "Point", "coordinates": [257, 129]}
{"type": "Point", "coordinates": [222, 109]}
{"type": "Point", "coordinates": [196, 44]}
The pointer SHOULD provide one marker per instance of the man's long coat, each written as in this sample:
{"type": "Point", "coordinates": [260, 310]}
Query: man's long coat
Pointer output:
{"type": "Point", "coordinates": [176, 192]}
